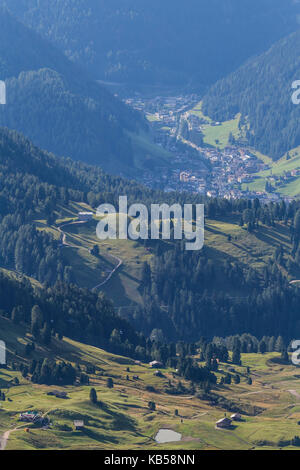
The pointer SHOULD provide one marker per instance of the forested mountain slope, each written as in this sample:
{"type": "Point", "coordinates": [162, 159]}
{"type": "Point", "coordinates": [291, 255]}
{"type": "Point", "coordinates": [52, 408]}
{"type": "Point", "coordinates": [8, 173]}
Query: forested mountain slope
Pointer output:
{"type": "Point", "coordinates": [239, 281]}
{"type": "Point", "coordinates": [262, 91]}
{"type": "Point", "coordinates": [167, 43]}
{"type": "Point", "coordinates": [57, 105]}
{"type": "Point", "coordinates": [34, 184]}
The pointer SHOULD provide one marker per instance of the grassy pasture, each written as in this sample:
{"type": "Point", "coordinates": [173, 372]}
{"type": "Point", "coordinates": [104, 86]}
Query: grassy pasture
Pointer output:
{"type": "Point", "coordinates": [124, 421]}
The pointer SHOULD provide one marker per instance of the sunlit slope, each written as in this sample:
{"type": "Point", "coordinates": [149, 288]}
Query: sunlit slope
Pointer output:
{"type": "Point", "coordinates": [90, 271]}
{"type": "Point", "coordinates": [123, 420]}
{"type": "Point", "coordinates": [279, 174]}
{"type": "Point", "coordinates": [224, 240]}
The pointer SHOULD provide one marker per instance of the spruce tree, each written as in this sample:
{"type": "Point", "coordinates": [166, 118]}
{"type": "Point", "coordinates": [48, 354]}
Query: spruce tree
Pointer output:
{"type": "Point", "coordinates": [236, 353]}
{"type": "Point", "coordinates": [93, 396]}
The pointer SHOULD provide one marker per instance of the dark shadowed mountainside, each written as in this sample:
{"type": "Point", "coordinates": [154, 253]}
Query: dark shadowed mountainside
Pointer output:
{"type": "Point", "coordinates": [262, 91]}
{"type": "Point", "coordinates": [58, 106]}
{"type": "Point", "coordinates": [173, 42]}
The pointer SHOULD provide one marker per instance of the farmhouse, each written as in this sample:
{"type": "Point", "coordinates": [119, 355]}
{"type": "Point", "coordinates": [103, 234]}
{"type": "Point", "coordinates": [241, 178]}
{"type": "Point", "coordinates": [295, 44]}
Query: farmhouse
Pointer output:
{"type": "Point", "coordinates": [79, 425]}
{"type": "Point", "coordinates": [236, 417]}
{"type": "Point", "coordinates": [30, 417]}
{"type": "Point", "coordinates": [158, 373]}
{"type": "Point", "coordinates": [184, 176]}
{"type": "Point", "coordinates": [223, 423]}
{"type": "Point", "coordinates": [57, 394]}
{"type": "Point", "coordinates": [155, 364]}
{"type": "Point", "coordinates": [85, 216]}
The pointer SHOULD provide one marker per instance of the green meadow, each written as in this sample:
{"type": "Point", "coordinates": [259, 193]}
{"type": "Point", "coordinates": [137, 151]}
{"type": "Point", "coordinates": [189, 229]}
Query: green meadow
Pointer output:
{"type": "Point", "coordinates": [122, 420]}
{"type": "Point", "coordinates": [224, 239]}
{"type": "Point", "coordinates": [290, 187]}
{"type": "Point", "coordinates": [217, 135]}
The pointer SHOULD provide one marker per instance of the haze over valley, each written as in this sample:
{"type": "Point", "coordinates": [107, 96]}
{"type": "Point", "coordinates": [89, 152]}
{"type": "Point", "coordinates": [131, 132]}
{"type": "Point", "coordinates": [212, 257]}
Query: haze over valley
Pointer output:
{"type": "Point", "coordinates": [114, 336]}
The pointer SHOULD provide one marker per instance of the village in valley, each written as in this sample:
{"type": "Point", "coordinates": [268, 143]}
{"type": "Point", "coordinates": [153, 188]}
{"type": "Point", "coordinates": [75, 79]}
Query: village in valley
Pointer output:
{"type": "Point", "coordinates": [213, 171]}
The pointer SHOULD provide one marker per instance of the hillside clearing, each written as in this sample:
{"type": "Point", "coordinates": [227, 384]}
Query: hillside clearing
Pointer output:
{"type": "Point", "coordinates": [124, 419]}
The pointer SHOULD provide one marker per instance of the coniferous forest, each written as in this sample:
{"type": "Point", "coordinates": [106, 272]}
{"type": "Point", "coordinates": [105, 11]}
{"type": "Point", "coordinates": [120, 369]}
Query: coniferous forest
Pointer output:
{"type": "Point", "coordinates": [114, 336]}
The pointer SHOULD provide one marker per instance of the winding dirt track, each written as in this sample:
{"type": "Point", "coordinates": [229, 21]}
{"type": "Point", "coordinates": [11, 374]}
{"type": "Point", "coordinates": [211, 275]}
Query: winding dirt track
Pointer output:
{"type": "Point", "coordinates": [294, 393]}
{"type": "Point", "coordinates": [66, 244]}
{"type": "Point", "coordinates": [4, 438]}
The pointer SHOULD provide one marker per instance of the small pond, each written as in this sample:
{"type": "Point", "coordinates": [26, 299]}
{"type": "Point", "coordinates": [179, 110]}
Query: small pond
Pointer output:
{"type": "Point", "coordinates": [167, 435]}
